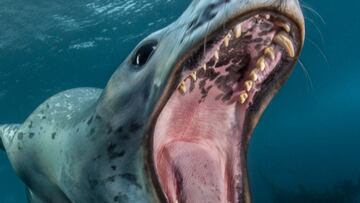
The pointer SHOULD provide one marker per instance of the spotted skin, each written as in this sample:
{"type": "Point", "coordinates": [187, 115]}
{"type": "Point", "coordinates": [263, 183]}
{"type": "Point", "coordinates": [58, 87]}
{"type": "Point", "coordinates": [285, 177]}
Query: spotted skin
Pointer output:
{"type": "Point", "coordinates": [43, 137]}
{"type": "Point", "coordinates": [65, 135]}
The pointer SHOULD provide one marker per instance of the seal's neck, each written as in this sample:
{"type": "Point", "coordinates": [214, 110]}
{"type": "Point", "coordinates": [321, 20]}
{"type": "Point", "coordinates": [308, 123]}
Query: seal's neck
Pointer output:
{"type": "Point", "coordinates": [120, 149]}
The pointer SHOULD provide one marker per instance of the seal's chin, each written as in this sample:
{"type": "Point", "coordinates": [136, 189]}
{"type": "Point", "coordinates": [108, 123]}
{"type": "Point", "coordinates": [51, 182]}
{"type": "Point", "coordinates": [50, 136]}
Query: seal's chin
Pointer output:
{"type": "Point", "coordinates": [200, 134]}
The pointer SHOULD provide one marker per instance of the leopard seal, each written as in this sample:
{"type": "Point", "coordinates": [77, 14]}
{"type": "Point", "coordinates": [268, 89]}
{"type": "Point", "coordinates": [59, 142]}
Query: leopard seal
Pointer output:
{"type": "Point", "coordinates": [174, 121]}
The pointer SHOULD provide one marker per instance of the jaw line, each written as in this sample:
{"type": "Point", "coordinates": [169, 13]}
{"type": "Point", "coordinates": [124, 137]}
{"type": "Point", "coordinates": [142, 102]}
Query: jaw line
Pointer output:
{"type": "Point", "coordinates": [255, 111]}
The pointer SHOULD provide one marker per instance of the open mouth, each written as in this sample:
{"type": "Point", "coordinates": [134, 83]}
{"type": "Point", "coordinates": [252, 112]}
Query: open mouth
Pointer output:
{"type": "Point", "coordinates": [201, 133]}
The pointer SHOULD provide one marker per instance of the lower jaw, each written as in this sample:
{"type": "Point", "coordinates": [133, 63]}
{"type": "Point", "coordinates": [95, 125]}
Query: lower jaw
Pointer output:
{"type": "Point", "coordinates": [207, 181]}
{"type": "Point", "coordinates": [193, 161]}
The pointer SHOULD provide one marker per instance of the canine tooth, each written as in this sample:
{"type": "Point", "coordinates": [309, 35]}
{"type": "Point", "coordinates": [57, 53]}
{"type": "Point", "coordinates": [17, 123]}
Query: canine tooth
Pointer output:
{"type": "Point", "coordinates": [261, 63]}
{"type": "Point", "coordinates": [283, 40]}
{"type": "Point", "coordinates": [283, 25]}
{"type": "Point", "coordinates": [243, 97]}
{"type": "Point", "coordinates": [267, 16]}
{"type": "Point", "coordinates": [254, 76]}
{"type": "Point", "coordinates": [193, 76]}
{"type": "Point", "coordinates": [182, 87]}
{"type": "Point", "coordinates": [248, 85]}
{"type": "Point", "coordinates": [238, 30]}
{"type": "Point", "coordinates": [269, 51]}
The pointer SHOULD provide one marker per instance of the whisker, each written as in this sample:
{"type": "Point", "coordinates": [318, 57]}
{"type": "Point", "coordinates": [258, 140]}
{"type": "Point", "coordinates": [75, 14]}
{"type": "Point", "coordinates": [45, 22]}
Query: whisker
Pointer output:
{"type": "Point", "coordinates": [206, 35]}
{"type": "Point", "coordinates": [307, 75]}
{"type": "Point", "coordinates": [314, 12]}
{"type": "Point", "coordinates": [320, 51]}
{"type": "Point", "coordinates": [317, 28]}
{"type": "Point", "coordinates": [226, 14]}
{"type": "Point", "coordinates": [168, 31]}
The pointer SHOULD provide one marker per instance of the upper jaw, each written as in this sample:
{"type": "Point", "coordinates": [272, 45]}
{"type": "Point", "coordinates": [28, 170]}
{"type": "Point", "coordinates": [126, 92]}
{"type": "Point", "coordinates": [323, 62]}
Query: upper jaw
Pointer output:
{"type": "Point", "coordinates": [281, 49]}
{"type": "Point", "coordinates": [289, 8]}
{"type": "Point", "coordinates": [170, 74]}
{"type": "Point", "coordinates": [230, 11]}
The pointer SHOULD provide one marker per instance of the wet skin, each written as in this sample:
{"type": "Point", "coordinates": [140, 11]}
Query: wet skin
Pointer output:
{"type": "Point", "coordinates": [174, 121]}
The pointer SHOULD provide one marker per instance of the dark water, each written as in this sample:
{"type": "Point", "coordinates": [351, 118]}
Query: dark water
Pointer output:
{"type": "Point", "coordinates": [306, 147]}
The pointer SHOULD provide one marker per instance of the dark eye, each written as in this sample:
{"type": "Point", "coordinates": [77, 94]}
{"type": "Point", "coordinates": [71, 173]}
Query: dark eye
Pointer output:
{"type": "Point", "coordinates": [144, 53]}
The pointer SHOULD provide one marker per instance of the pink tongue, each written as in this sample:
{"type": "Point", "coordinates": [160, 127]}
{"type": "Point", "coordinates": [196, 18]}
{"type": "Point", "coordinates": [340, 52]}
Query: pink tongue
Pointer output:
{"type": "Point", "coordinates": [194, 173]}
{"type": "Point", "coordinates": [192, 144]}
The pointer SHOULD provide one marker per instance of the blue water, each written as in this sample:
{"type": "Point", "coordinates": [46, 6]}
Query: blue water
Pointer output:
{"type": "Point", "coordinates": [305, 148]}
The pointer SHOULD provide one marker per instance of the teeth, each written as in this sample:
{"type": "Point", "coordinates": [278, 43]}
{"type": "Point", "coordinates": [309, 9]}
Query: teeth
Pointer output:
{"type": "Point", "coordinates": [283, 40]}
{"type": "Point", "coordinates": [182, 87]}
{"type": "Point", "coordinates": [193, 76]}
{"type": "Point", "coordinates": [237, 30]}
{"type": "Point", "coordinates": [248, 85]}
{"type": "Point", "coordinates": [243, 97]}
{"type": "Point", "coordinates": [283, 25]}
{"type": "Point", "coordinates": [216, 55]}
{"type": "Point", "coordinates": [254, 76]}
{"type": "Point", "coordinates": [227, 40]}
{"type": "Point", "coordinates": [267, 16]}
{"type": "Point", "coordinates": [204, 67]}
{"type": "Point", "coordinates": [261, 64]}
{"type": "Point", "coordinates": [269, 52]}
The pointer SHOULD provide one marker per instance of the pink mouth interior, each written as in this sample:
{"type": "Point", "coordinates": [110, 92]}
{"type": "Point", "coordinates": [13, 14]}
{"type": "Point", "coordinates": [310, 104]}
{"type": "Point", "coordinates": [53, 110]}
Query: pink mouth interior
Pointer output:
{"type": "Point", "coordinates": [198, 136]}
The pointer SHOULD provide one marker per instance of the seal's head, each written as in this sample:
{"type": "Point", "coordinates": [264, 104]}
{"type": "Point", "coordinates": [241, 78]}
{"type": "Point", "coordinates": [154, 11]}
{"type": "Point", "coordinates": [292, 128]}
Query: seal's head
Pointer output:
{"type": "Point", "coordinates": [200, 86]}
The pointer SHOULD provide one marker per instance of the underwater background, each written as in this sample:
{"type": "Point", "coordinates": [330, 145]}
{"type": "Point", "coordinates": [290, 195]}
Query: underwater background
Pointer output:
{"type": "Point", "coordinates": [306, 147]}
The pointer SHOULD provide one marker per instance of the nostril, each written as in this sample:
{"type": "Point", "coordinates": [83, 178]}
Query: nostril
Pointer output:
{"type": "Point", "coordinates": [192, 23]}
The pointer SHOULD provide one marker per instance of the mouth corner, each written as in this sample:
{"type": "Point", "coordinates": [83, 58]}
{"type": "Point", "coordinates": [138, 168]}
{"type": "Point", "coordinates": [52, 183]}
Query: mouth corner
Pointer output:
{"type": "Point", "coordinates": [206, 116]}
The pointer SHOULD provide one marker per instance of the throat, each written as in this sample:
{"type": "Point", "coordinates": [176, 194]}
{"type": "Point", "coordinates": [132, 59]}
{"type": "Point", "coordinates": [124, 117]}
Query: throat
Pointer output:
{"type": "Point", "coordinates": [198, 145]}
